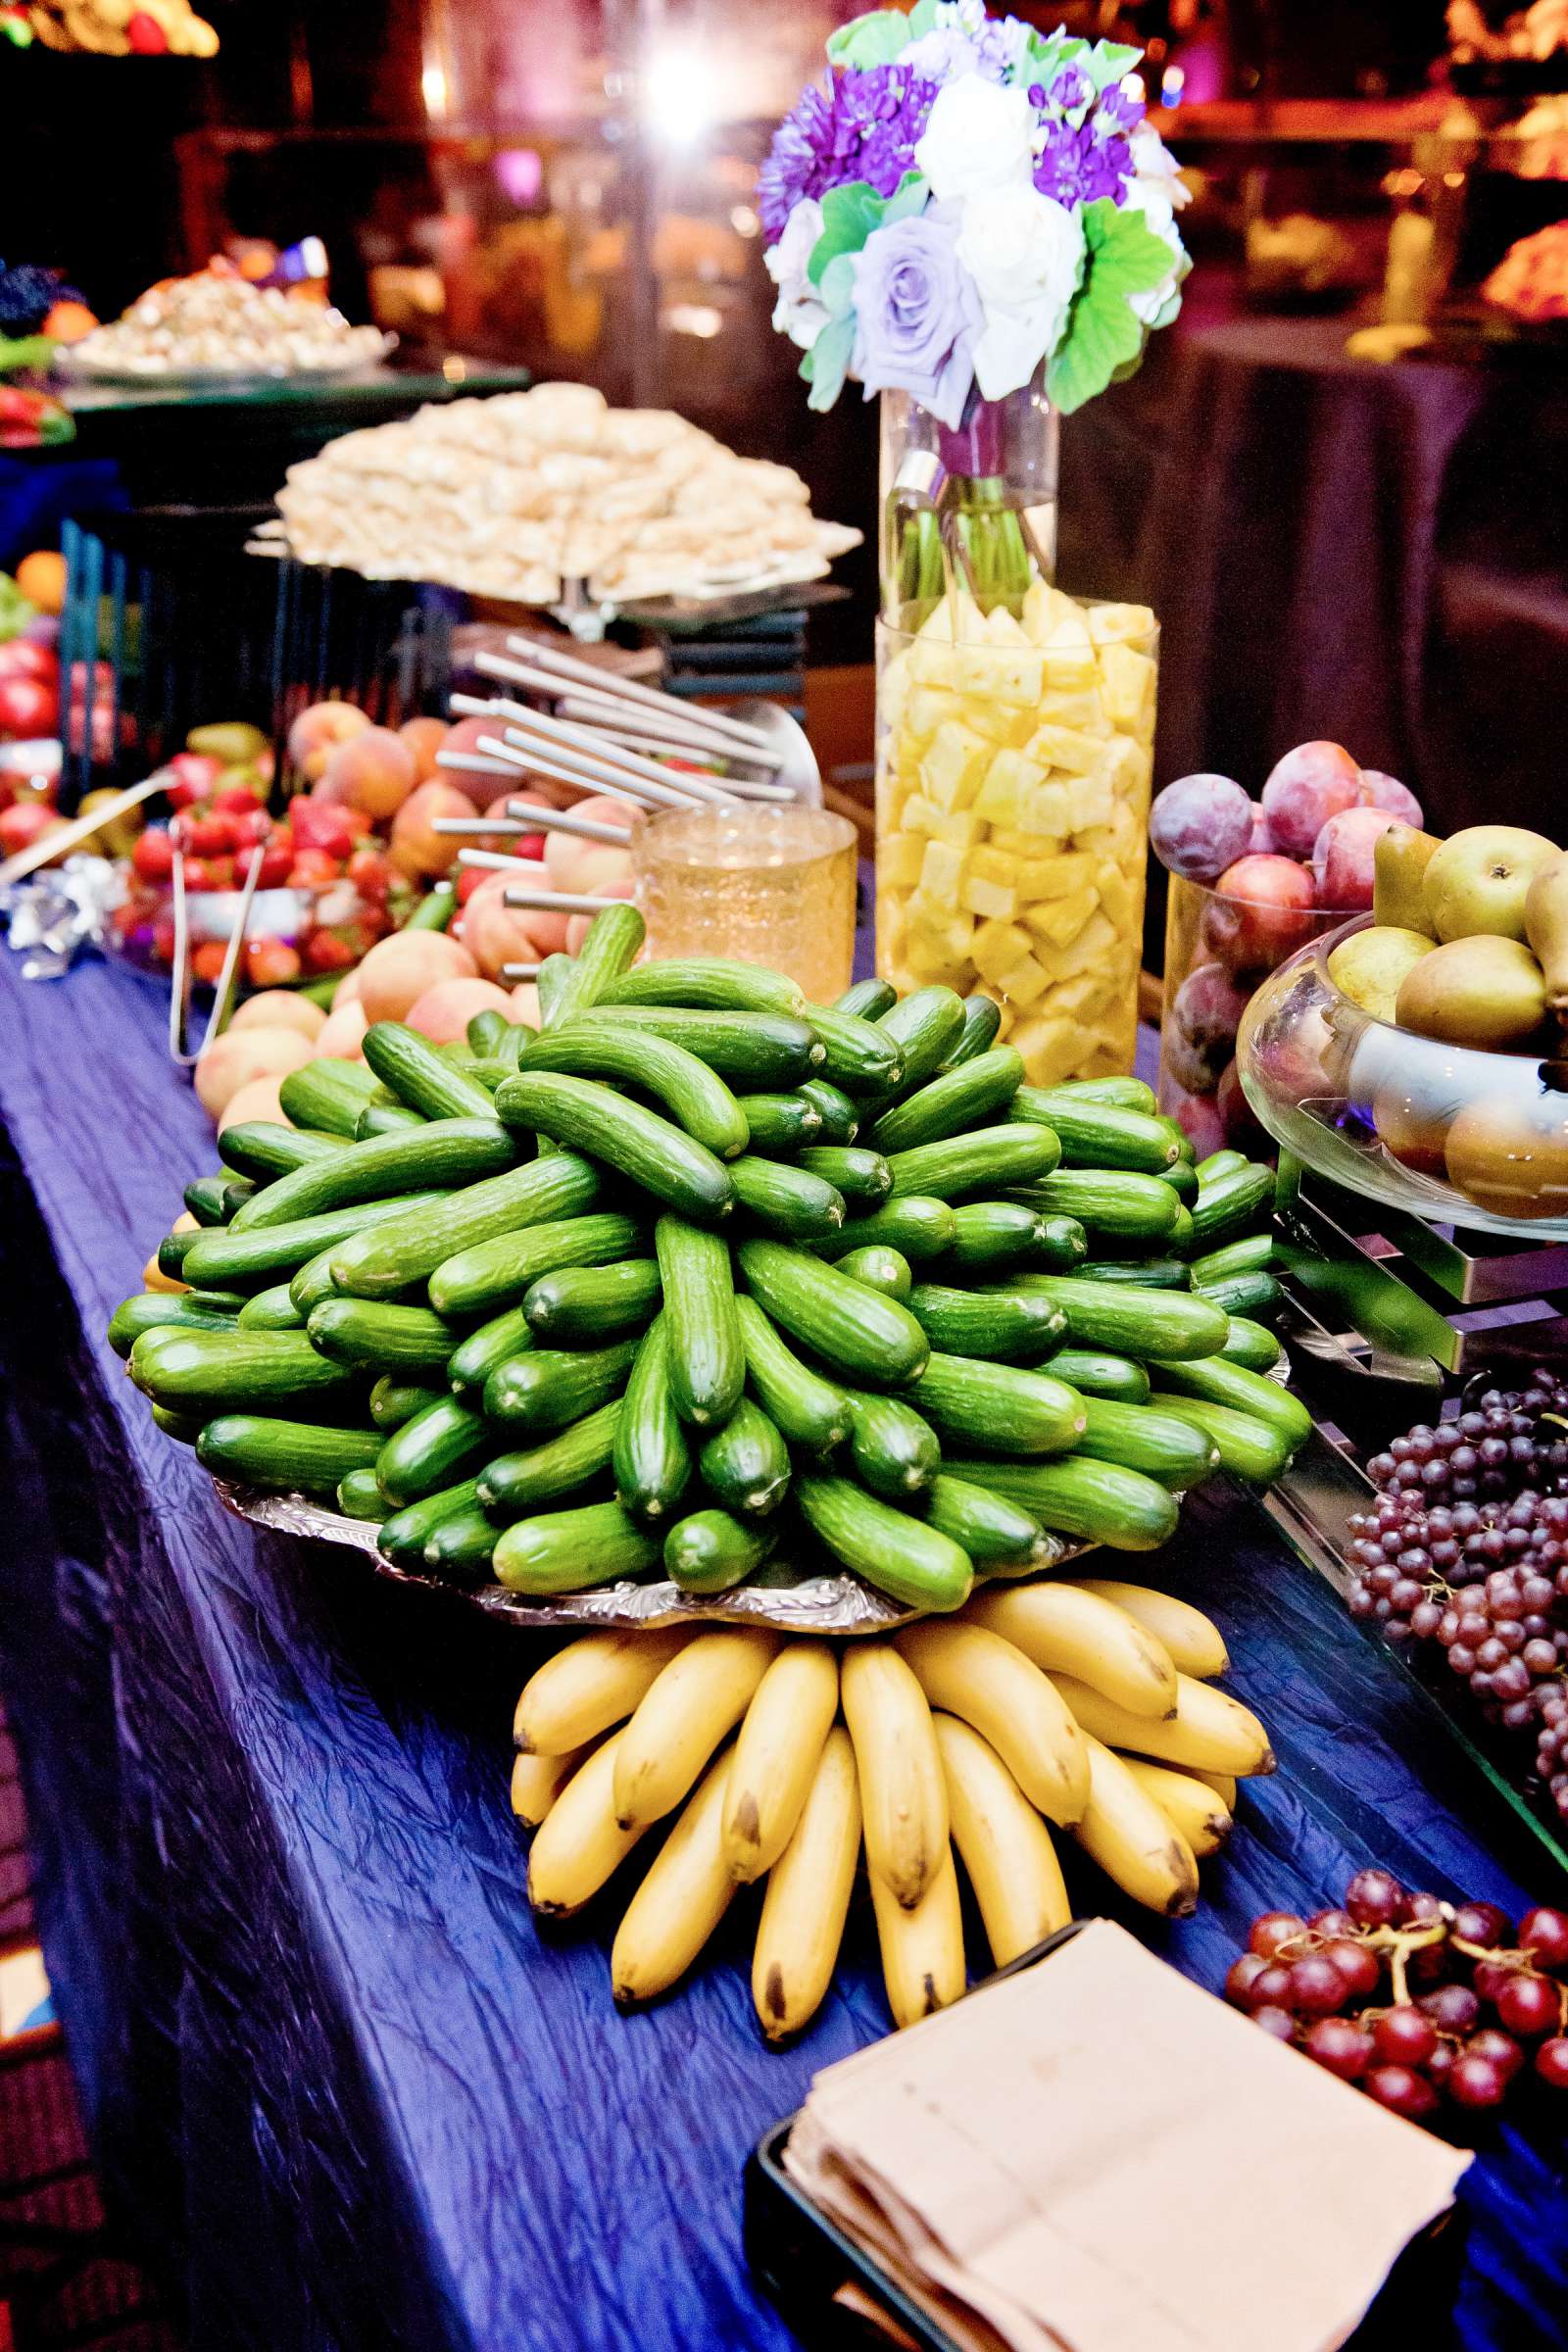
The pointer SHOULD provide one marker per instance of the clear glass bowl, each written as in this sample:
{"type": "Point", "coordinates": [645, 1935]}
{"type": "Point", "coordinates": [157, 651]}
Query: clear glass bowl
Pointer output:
{"type": "Point", "coordinates": [1449, 1133]}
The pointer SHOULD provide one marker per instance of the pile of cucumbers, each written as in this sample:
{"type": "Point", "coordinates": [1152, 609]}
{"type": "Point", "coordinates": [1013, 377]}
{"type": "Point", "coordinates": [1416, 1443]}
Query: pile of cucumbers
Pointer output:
{"type": "Point", "coordinates": [705, 1280]}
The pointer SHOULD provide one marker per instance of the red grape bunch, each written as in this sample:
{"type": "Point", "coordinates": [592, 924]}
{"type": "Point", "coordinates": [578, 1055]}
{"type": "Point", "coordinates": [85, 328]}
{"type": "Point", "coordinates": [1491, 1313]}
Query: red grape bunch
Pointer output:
{"type": "Point", "coordinates": [1414, 2000]}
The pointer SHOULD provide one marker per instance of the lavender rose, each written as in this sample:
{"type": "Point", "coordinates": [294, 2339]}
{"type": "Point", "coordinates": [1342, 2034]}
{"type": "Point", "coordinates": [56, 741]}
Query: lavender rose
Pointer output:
{"type": "Point", "coordinates": [916, 315]}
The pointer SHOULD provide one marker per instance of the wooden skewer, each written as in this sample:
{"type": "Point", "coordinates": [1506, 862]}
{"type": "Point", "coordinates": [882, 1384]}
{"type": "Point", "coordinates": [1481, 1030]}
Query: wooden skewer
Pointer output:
{"type": "Point", "coordinates": [55, 845]}
{"type": "Point", "coordinates": [609, 681]}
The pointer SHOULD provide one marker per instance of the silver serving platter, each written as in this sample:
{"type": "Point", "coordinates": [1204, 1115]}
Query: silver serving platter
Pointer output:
{"type": "Point", "coordinates": [798, 1598]}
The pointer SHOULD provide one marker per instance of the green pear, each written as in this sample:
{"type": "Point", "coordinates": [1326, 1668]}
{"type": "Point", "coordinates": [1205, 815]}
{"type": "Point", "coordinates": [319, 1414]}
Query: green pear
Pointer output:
{"type": "Point", "coordinates": [1479, 990]}
{"type": "Point", "coordinates": [1546, 928]}
{"type": "Point", "coordinates": [1400, 860]}
{"type": "Point", "coordinates": [1478, 881]}
{"type": "Point", "coordinates": [1370, 966]}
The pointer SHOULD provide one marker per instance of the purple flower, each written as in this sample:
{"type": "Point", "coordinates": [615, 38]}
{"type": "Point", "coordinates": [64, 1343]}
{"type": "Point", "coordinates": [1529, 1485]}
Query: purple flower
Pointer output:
{"type": "Point", "coordinates": [1079, 162]}
{"type": "Point", "coordinates": [916, 315]}
{"type": "Point", "coordinates": [862, 125]}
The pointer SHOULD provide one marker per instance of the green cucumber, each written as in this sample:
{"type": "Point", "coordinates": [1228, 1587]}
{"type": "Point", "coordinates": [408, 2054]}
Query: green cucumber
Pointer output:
{"type": "Point", "coordinates": [1098, 1135]}
{"type": "Point", "coordinates": [1220, 1163]}
{"type": "Point", "coordinates": [515, 1484]}
{"type": "Point", "coordinates": [651, 1459]}
{"type": "Point", "coordinates": [184, 1427]}
{"type": "Point", "coordinates": [550, 984]}
{"type": "Point", "coordinates": [749, 1049]}
{"type": "Point", "coordinates": [546, 1388]}
{"type": "Point", "coordinates": [1000, 1537]}
{"type": "Point", "coordinates": [695, 1096]}
{"type": "Point", "coordinates": [1000, 1407]}
{"type": "Point", "coordinates": [608, 945]}
{"type": "Point", "coordinates": [746, 1464]}
{"type": "Point", "coordinates": [405, 1533]}
{"type": "Point", "coordinates": [438, 1155]}
{"type": "Point", "coordinates": [1254, 1254]}
{"type": "Point", "coordinates": [394, 1402]}
{"type": "Point", "coordinates": [705, 1362]}
{"type": "Point", "coordinates": [1095, 1372]}
{"type": "Point", "coordinates": [914, 1563]}
{"type": "Point", "coordinates": [1248, 1447]}
{"type": "Point", "coordinates": [1005, 1327]}
{"type": "Point", "coordinates": [158, 1310]}
{"type": "Point", "coordinates": [1250, 1345]}
{"type": "Point", "coordinates": [991, 1236]}
{"type": "Point", "coordinates": [1243, 1293]}
{"type": "Point", "coordinates": [648, 1150]}
{"type": "Point", "coordinates": [461, 1548]}
{"type": "Point", "coordinates": [410, 1248]}
{"type": "Point", "coordinates": [854, 1331]}
{"type": "Point", "coordinates": [263, 1148]}
{"type": "Point", "coordinates": [841, 1121]}
{"type": "Point", "coordinates": [311, 1283]}
{"type": "Point", "coordinates": [420, 1076]}
{"type": "Point", "coordinates": [376, 1336]}
{"type": "Point", "coordinates": [175, 1248]}
{"type": "Point", "coordinates": [1229, 1203]}
{"type": "Point", "coordinates": [566, 1551]}
{"type": "Point", "coordinates": [428, 1451]}
{"type": "Point", "coordinates": [271, 1310]}
{"type": "Point", "coordinates": [987, 1161]}
{"type": "Point", "coordinates": [925, 1026]}
{"type": "Point", "coordinates": [222, 1259]}
{"type": "Point", "coordinates": [982, 1019]}
{"type": "Point", "coordinates": [863, 1178]}
{"type": "Point", "coordinates": [710, 1550]}
{"type": "Point", "coordinates": [881, 1270]}
{"type": "Point", "coordinates": [489, 1034]}
{"type": "Point", "coordinates": [1130, 1094]}
{"type": "Point", "coordinates": [1145, 1438]}
{"type": "Point", "coordinates": [1178, 1243]}
{"type": "Point", "coordinates": [1217, 1381]}
{"type": "Point", "coordinates": [291, 1456]}
{"type": "Point", "coordinates": [915, 1226]}
{"type": "Point", "coordinates": [1182, 1177]}
{"type": "Point", "coordinates": [494, 1343]}
{"type": "Point", "coordinates": [787, 1198]}
{"type": "Point", "coordinates": [867, 1000]}
{"type": "Point", "coordinates": [1111, 1205]}
{"type": "Point", "coordinates": [708, 984]}
{"type": "Point", "coordinates": [203, 1198]}
{"type": "Point", "coordinates": [859, 1057]}
{"type": "Point", "coordinates": [213, 1371]}
{"type": "Point", "coordinates": [1131, 1320]}
{"type": "Point", "coordinates": [1149, 1273]}
{"type": "Point", "coordinates": [379, 1119]}
{"type": "Point", "coordinates": [360, 1495]}
{"type": "Point", "coordinates": [894, 1450]}
{"type": "Point", "coordinates": [1100, 1502]}
{"type": "Point", "coordinates": [777, 1125]}
{"type": "Point", "coordinates": [435, 909]}
{"type": "Point", "coordinates": [808, 1410]}
{"type": "Point", "coordinates": [327, 1094]}
{"type": "Point", "coordinates": [499, 1273]}
{"type": "Point", "coordinates": [577, 1304]}
{"type": "Point", "coordinates": [952, 1103]}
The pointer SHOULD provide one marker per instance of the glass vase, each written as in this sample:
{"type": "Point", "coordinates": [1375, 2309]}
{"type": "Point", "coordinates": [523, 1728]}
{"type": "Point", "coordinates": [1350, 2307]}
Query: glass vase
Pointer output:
{"type": "Point", "coordinates": [971, 509]}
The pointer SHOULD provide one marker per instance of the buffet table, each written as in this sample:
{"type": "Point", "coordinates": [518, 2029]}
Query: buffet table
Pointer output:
{"type": "Point", "coordinates": [341, 2089]}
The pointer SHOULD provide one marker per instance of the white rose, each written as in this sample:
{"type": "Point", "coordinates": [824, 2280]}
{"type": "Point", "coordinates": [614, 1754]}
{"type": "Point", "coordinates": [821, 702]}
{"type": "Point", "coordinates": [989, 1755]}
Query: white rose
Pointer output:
{"type": "Point", "coordinates": [1157, 166]}
{"type": "Point", "coordinates": [1025, 254]}
{"type": "Point", "coordinates": [799, 311]}
{"type": "Point", "coordinates": [1157, 202]}
{"type": "Point", "coordinates": [977, 135]}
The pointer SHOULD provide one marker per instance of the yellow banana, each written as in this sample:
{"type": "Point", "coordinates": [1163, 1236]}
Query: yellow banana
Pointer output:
{"type": "Point", "coordinates": [588, 1686]}
{"type": "Point", "coordinates": [1134, 1842]}
{"type": "Point", "coordinates": [1209, 1727]}
{"type": "Point", "coordinates": [904, 1797]}
{"type": "Point", "coordinates": [690, 1706]}
{"type": "Point", "coordinates": [537, 1781]}
{"type": "Point", "coordinates": [579, 1844]}
{"type": "Point", "coordinates": [1002, 1844]}
{"type": "Point", "coordinates": [978, 1676]}
{"type": "Point", "coordinates": [776, 1755]}
{"type": "Point", "coordinates": [1066, 1629]}
{"type": "Point", "coordinates": [922, 1950]}
{"type": "Point", "coordinates": [681, 1902]}
{"type": "Point", "coordinates": [807, 1897]}
{"type": "Point", "coordinates": [1196, 1644]}
{"type": "Point", "coordinates": [1190, 1804]}
{"type": "Point", "coordinates": [1223, 1784]}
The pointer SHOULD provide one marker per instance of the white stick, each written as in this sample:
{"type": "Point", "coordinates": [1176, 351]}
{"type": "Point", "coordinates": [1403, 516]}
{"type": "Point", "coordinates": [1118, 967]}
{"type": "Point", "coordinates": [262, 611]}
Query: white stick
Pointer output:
{"type": "Point", "coordinates": [536, 820]}
{"type": "Point", "coordinates": [580, 774]}
{"type": "Point", "coordinates": [578, 749]}
{"type": "Point", "coordinates": [561, 902]}
{"type": "Point", "coordinates": [82, 828]}
{"type": "Point", "coordinates": [609, 681]}
{"type": "Point", "coordinates": [652, 727]}
{"type": "Point", "coordinates": [519, 971]}
{"type": "Point", "coordinates": [589, 745]}
{"type": "Point", "coordinates": [474, 762]}
{"type": "Point", "coordinates": [497, 861]}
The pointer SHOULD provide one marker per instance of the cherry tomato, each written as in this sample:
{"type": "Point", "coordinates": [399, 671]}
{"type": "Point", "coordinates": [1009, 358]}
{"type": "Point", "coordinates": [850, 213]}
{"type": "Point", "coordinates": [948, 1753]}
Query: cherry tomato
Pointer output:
{"type": "Point", "coordinates": [253, 827]}
{"type": "Point", "coordinates": [208, 961]}
{"type": "Point", "coordinates": [371, 873]}
{"type": "Point", "coordinates": [235, 800]}
{"type": "Point", "coordinates": [198, 874]}
{"type": "Point", "coordinates": [323, 825]}
{"type": "Point", "coordinates": [277, 862]}
{"type": "Point", "coordinates": [271, 964]}
{"type": "Point", "coordinates": [153, 857]}
{"type": "Point", "coordinates": [311, 870]}
{"type": "Point", "coordinates": [324, 952]}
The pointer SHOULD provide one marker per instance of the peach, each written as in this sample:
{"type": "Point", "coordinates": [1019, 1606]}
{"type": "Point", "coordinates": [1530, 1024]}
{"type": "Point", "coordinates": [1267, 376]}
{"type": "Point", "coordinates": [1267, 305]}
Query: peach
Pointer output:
{"type": "Point", "coordinates": [424, 736]}
{"type": "Point", "coordinates": [592, 865]}
{"type": "Point", "coordinates": [443, 1012]}
{"type": "Point", "coordinates": [398, 970]}
{"type": "Point", "coordinates": [578, 928]}
{"type": "Point", "coordinates": [347, 990]}
{"type": "Point", "coordinates": [418, 849]}
{"type": "Point", "coordinates": [344, 1033]}
{"type": "Point", "coordinates": [153, 1277]}
{"type": "Point", "coordinates": [375, 771]}
{"type": "Point", "coordinates": [258, 1100]}
{"type": "Point", "coordinates": [319, 726]}
{"type": "Point", "coordinates": [524, 1002]}
{"type": "Point", "coordinates": [280, 1009]}
{"type": "Point", "coordinates": [499, 934]}
{"type": "Point", "coordinates": [479, 785]}
{"type": "Point", "coordinates": [240, 1056]}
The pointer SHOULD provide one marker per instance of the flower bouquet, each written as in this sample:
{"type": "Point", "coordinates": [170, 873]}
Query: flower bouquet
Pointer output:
{"type": "Point", "coordinates": [975, 218]}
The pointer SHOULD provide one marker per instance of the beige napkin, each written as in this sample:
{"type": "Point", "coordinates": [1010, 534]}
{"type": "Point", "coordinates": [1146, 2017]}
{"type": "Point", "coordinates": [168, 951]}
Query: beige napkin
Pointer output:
{"type": "Point", "coordinates": [1096, 2155]}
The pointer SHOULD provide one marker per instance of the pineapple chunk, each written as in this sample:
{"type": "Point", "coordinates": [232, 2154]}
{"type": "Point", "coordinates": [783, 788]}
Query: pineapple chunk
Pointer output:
{"type": "Point", "coordinates": [1010, 776]}
{"type": "Point", "coordinates": [1115, 894]}
{"type": "Point", "coordinates": [1127, 682]}
{"type": "Point", "coordinates": [898, 861]}
{"type": "Point", "coordinates": [1091, 801]}
{"type": "Point", "coordinates": [996, 948]}
{"type": "Point", "coordinates": [1005, 673]}
{"type": "Point", "coordinates": [1129, 768]}
{"type": "Point", "coordinates": [1049, 612]}
{"type": "Point", "coordinates": [1111, 624]}
{"type": "Point", "coordinates": [931, 663]}
{"type": "Point", "coordinates": [1004, 1026]}
{"type": "Point", "coordinates": [926, 709]}
{"type": "Point", "coordinates": [1076, 707]}
{"type": "Point", "coordinates": [951, 770]}
{"type": "Point", "coordinates": [991, 864]}
{"type": "Point", "coordinates": [1068, 748]}
{"type": "Point", "coordinates": [959, 830]}
{"type": "Point", "coordinates": [1084, 996]}
{"type": "Point", "coordinates": [1058, 921]}
{"type": "Point", "coordinates": [941, 872]}
{"type": "Point", "coordinates": [1054, 878]}
{"type": "Point", "coordinates": [997, 901]}
{"type": "Point", "coordinates": [1014, 844]}
{"type": "Point", "coordinates": [1002, 629]}
{"type": "Point", "coordinates": [1095, 940]}
{"type": "Point", "coordinates": [1024, 983]}
{"type": "Point", "coordinates": [1048, 810]}
{"type": "Point", "coordinates": [1049, 1046]}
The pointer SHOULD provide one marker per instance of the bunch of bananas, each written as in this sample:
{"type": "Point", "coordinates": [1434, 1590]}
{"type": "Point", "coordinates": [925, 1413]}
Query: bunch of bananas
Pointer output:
{"type": "Point", "coordinates": [1080, 1703]}
{"type": "Point", "coordinates": [125, 27]}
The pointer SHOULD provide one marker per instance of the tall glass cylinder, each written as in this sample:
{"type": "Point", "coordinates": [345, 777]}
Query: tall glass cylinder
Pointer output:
{"type": "Point", "coordinates": [971, 509]}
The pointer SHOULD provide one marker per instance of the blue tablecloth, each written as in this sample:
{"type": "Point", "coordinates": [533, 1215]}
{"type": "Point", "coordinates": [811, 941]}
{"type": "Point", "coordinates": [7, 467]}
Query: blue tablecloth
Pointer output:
{"type": "Point", "coordinates": [345, 2092]}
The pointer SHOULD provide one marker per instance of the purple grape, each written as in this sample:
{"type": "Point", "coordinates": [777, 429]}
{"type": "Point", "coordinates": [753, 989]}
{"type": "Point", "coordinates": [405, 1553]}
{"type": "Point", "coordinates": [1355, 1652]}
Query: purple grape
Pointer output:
{"type": "Point", "coordinates": [1199, 825]}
